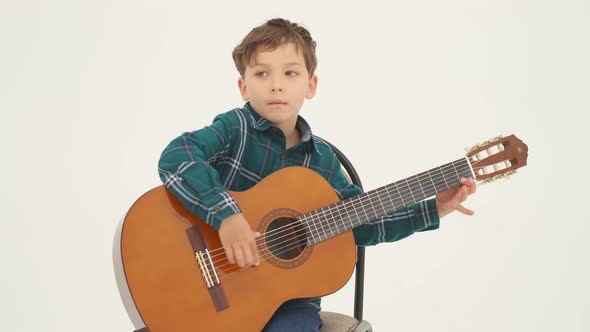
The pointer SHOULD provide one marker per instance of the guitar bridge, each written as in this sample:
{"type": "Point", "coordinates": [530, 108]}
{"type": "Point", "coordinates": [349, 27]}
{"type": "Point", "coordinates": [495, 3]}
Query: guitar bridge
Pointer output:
{"type": "Point", "coordinates": [207, 268]}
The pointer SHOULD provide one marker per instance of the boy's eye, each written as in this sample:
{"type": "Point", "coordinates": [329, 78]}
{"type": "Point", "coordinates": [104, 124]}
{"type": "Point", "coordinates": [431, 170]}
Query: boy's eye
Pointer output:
{"type": "Point", "coordinates": [261, 74]}
{"type": "Point", "coordinates": [291, 73]}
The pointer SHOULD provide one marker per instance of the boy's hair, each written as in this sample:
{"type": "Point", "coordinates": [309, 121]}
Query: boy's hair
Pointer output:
{"type": "Point", "coordinates": [269, 36]}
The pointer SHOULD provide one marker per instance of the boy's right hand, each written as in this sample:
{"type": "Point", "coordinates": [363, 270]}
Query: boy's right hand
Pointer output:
{"type": "Point", "coordinates": [239, 241]}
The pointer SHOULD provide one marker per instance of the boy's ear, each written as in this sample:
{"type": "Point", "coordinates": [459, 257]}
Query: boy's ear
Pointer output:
{"type": "Point", "coordinates": [243, 89]}
{"type": "Point", "coordinates": [311, 87]}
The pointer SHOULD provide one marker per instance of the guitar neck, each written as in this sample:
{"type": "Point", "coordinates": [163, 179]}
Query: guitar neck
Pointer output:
{"type": "Point", "coordinates": [342, 216]}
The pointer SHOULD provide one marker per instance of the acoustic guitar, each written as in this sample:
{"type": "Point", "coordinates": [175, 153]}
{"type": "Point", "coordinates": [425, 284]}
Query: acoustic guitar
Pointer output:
{"type": "Point", "coordinates": [173, 275]}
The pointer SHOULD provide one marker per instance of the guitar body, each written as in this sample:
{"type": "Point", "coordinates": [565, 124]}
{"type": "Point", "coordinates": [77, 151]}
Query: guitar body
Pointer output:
{"type": "Point", "coordinates": [163, 287]}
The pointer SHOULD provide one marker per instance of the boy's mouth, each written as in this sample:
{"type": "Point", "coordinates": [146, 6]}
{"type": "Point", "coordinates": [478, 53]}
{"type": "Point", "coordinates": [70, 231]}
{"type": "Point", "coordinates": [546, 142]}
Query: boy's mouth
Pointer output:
{"type": "Point", "coordinates": [277, 102]}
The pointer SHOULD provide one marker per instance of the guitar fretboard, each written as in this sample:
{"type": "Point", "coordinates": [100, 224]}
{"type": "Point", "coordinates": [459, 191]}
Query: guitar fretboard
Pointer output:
{"type": "Point", "coordinates": [342, 216]}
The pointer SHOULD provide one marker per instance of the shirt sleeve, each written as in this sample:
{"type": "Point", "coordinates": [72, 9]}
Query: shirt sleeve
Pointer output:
{"type": "Point", "coordinates": [186, 168]}
{"type": "Point", "coordinates": [421, 216]}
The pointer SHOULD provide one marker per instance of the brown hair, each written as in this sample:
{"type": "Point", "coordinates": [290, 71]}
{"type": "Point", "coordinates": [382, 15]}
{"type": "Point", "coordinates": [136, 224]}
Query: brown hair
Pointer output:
{"type": "Point", "coordinates": [271, 35]}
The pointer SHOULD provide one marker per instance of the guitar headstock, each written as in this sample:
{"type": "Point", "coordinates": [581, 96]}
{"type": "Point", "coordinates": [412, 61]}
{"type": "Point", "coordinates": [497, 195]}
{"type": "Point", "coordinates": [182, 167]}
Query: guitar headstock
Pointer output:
{"type": "Point", "coordinates": [497, 158]}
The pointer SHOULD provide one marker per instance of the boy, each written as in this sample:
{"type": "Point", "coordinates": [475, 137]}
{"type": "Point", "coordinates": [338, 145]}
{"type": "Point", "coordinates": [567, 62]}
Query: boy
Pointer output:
{"type": "Point", "coordinates": [276, 62]}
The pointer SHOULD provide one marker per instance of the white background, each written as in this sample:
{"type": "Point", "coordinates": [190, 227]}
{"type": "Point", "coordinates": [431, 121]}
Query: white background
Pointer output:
{"type": "Point", "coordinates": [91, 92]}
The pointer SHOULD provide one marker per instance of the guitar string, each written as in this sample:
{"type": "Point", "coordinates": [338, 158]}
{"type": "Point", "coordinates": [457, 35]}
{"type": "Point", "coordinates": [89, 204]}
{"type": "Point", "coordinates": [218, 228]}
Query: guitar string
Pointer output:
{"type": "Point", "coordinates": [264, 256]}
{"type": "Point", "coordinates": [236, 268]}
{"type": "Point", "coordinates": [293, 226]}
{"type": "Point", "coordinates": [325, 212]}
{"type": "Point", "coordinates": [345, 205]}
{"type": "Point", "coordinates": [342, 204]}
{"type": "Point", "coordinates": [289, 241]}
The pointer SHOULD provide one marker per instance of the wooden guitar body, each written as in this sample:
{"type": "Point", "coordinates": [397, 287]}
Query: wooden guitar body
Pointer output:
{"type": "Point", "coordinates": [164, 288]}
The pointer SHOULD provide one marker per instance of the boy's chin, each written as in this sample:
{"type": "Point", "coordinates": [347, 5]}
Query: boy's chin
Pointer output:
{"type": "Point", "coordinates": [277, 117]}
{"type": "Point", "coordinates": [277, 111]}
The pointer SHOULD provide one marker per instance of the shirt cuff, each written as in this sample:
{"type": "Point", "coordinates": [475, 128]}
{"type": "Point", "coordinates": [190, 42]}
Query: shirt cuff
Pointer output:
{"type": "Point", "coordinates": [221, 205]}
{"type": "Point", "coordinates": [427, 215]}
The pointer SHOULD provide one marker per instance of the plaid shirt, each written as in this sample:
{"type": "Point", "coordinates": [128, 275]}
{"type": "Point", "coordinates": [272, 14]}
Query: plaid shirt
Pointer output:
{"type": "Point", "coordinates": [240, 148]}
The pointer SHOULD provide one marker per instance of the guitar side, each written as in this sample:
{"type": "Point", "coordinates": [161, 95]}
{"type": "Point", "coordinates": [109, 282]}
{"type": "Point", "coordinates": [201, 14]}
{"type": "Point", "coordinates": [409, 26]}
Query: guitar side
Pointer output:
{"type": "Point", "coordinates": [164, 282]}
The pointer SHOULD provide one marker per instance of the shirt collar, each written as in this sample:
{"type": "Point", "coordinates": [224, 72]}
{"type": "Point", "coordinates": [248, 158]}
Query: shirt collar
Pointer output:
{"type": "Point", "coordinates": [256, 121]}
{"type": "Point", "coordinates": [259, 123]}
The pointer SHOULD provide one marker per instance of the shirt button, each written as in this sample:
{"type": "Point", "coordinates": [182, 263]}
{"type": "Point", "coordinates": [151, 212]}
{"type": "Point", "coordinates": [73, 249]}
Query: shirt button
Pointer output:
{"type": "Point", "coordinates": [217, 208]}
{"type": "Point", "coordinates": [283, 157]}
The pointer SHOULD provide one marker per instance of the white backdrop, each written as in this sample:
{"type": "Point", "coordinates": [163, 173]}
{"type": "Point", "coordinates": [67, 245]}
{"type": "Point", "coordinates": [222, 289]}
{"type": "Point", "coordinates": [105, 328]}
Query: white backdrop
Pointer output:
{"type": "Point", "coordinates": [92, 91]}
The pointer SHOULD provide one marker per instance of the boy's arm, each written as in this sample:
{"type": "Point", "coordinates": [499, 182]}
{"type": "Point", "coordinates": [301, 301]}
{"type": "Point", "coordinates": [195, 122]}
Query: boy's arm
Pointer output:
{"type": "Point", "coordinates": [185, 168]}
{"type": "Point", "coordinates": [421, 216]}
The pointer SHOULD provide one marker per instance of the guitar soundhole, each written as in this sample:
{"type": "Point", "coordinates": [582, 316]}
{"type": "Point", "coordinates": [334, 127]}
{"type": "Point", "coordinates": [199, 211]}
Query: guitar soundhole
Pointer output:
{"type": "Point", "coordinates": [286, 238]}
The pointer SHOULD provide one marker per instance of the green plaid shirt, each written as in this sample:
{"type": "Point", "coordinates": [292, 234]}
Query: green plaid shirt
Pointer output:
{"type": "Point", "coordinates": [240, 148]}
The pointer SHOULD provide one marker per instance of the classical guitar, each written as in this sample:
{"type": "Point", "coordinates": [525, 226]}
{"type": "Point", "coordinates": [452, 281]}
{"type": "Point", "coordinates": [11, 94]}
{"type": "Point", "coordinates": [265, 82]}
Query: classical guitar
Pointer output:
{"type": "Point", "coordinates": [173, 275]}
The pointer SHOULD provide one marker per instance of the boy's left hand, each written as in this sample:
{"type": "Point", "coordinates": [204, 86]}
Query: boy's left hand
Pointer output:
{"type": "Point", "coordinates": [450, 200]}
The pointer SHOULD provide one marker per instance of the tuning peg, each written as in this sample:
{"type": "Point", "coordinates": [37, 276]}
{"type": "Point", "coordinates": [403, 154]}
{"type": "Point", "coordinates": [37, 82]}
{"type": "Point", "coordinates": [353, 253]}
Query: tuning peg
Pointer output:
{"type": "Point", "coordinates": [500, 176]}
{"type": "Point", "coordinates": [480, 145]}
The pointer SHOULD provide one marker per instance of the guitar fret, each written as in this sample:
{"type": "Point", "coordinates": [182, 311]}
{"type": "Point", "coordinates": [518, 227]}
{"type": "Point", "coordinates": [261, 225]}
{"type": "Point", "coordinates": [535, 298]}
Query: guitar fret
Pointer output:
{"type": "Point", "coordinates": [350, 208]}
{"type": "Point", "coordinates": [317, 225]}
{"type": "Point", "coordinates": [455, 169]}
{"type": "Point", "coordinates": [374, 210]}
{"type": "Point", "coordinates": [407, 199]}
{"type": "Point", "coordinates": [349, 217]}
{"type": "Point", "coordinates": [390, 198]}
{"type": "Point", "coordinates": [410, 190]}
{"type": "Point", "coordinates": [358, 218]}
{"type": "Point", "coordinates": [308, 223]}
{"type": "Point", "coordinates": [443, 177]}
{"type": "Point", "coordinates": [450, 175]}
{"type": "Point", "coordinates": [419, 193]}
{"type": "Point", "coordinates": [427, 181]}
{"type": "Point", "coordinates": [316, 222]}
{"type": "Point", "coordinates": [365, 211]}
{"type": "Point", "coordinates": [325, 221]}
{"type": "Point", "coordinates": [439, 180]}
{"type": "Point", "coordinates": [420, 185]}
{"type": "Point", "coordinates": [381, 202]}
{"type": "Point", "coordinates": [340, 225]}
{"type": "Point", "coordinates": [329, 222]}
{"type": "Point", "coordinates": [345, 215]}
{"type": "Point", "coordinates": [466, 168]}
{"type": "Point", "coordinates": [400, 194]}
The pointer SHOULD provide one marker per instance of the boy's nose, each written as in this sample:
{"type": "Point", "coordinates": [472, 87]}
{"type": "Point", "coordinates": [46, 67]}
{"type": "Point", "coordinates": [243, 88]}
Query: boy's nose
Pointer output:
{"type": "Point", "coordinates": [276, 84]}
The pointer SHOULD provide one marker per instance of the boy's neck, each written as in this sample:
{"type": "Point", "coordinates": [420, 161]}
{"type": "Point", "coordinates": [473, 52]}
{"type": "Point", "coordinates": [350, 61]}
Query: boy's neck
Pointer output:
{"type": "Point", "coordinates": [289, 129]}
{"type": "Point", "coordinates": [292, 137]}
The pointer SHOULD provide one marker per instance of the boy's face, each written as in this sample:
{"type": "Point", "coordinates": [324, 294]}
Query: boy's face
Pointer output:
{"type": "Point", "coordinates": [277, 84]}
